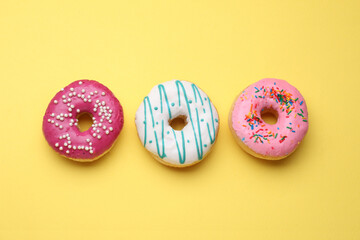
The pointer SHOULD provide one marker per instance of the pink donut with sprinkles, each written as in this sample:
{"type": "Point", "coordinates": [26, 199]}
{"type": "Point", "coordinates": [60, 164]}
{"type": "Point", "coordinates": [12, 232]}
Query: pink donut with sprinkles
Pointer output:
{"type": "Point", "coordinates": [61, 119]}
{"type": "Point", "coordinates": [263, 140]}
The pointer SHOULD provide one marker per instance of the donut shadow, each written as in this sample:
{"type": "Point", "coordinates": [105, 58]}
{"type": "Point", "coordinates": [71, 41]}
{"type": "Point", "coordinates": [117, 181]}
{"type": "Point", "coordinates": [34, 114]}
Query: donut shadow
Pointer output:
{"type": "Point", "coordinates": [191, 168]}
{"type": "Point", "coordinates": [290, 160]}
{"type": "Point", "coordinates": [100, 161]}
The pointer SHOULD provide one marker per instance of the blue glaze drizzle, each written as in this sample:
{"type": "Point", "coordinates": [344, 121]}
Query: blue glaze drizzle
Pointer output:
{"type": "Point", "coordinates": [152, 116]}
{"type": "Point", "coordinates": [162, 88]}
{"type": "Point", "coordinates": [163, 154]}
{"type": "Point", "coordinates": [181, 159]}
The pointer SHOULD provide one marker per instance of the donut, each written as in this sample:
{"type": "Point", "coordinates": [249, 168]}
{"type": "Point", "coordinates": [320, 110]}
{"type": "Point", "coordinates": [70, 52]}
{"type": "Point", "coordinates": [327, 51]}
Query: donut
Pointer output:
{"type": "Point", "coordinates": [168, 101]}
{"type": "Point", "coordinates": [263, 140]}
{"type": "Point", "coordinates": [60, 122]}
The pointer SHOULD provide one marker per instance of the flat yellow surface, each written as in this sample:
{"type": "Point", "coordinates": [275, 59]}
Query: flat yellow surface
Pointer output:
{"type": "Point", "coordinates": [222, 46]}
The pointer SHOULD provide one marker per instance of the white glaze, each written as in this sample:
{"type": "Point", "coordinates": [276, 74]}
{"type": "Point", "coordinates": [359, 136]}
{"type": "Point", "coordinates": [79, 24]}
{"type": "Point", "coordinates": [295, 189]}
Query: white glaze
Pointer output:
{"type": "Point", "coordinates": [168, 101]}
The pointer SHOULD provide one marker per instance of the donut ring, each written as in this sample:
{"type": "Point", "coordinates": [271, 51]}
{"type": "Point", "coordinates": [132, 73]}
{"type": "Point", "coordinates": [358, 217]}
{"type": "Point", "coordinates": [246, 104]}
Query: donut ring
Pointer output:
{"type": "Point", "coordinates": [263, 140]}
{"type": "Point", "coordinates": [60, 121]}
{"type": "Point", "coordinates": [168, 101]}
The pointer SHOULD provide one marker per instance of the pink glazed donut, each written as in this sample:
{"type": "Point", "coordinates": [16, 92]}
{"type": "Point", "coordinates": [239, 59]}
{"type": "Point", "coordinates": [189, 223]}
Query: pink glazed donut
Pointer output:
{"type": "Point", "coordinates": [263, 140]}
{"type": "Point", "coordinates": [60, 121]}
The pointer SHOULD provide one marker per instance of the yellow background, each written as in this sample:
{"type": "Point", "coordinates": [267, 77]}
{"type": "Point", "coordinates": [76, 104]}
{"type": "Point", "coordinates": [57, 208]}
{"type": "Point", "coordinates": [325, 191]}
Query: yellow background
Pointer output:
{"type": "Point", "coordinates": [222, 46]}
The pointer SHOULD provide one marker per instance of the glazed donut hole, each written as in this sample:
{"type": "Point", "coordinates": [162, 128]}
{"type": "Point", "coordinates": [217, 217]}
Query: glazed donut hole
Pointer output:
{"type": "Point", "coordinates": [178, 123]}
{"type": "Point", "coordinates": [85, 121]}
{"type": "Point", "coordinates": [269, 115]}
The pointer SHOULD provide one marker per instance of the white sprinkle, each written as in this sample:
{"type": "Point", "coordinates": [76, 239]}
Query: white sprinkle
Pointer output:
{"type": "Point", "coordinates": [61, 127]}
{"type": "Point", "coordinates": [83, 90]}
{"type": "Point", "coordinates": [99, 124]}
{"type": "Point", "coordinates": [71, 124]}
{"type": "Point", "coordinates": [110, 111]}
{"type": "Point", "coordinates": [98, 136]}
{"type": "Point", "coordinates": [110, 121]}
{"type": "Point", "coordinates": [64, 101]}
{"type": "Point", "coordinates": [69, 142]}
{"type": "Point", "coordinates": [70, 114]}
{"type": "Point", "coordinates": [58, 117]}
{"type": "Point", "coordinates": [69, 100]}
{"type": "Point", "coordinates": [104, 127]}
{"type": "Point", "coordinates": [79, 95]}
{"type": "Point", "coordinates": [61, 119]}
{"type": "Point", "coordinates": [60, 137]}
{"type": "Point", "coordinates": [65, 115]}
{"type": "Point", "coordinates": [101, 120]}
{"type": "Point", "coordinates": [72, 89]}
{"type": "Point", "coordinates": [75, 124]}
{"type": "Point", "coordinates": [70, 109]}
{"type": "Point", "coordinates": [111, 129]}
{"type": "Point", "coordinates": [67, 134]}
{"type": "Point", "coordinates": [68, 104]}
{"type": "Point", "coordinates": [107, 132]}
{"type": "Point", "coordinates": [71, 120]}
{"type": "Point", "coordinates": [91, 93]}
{"type": "Point", "coordinates": [70, 94]}
{"type": "Point", "coordinates": [63, 96]}
{"type": "Point", "coordinates": [65, 144]}
{"type": "Point", "coordinates": [90, 143]}
{"type": "Point", "coordinates": [49, 120]}
{"type": "Point", "coordinates": [103, 103]}
{"type": "Point", "coordinates": [60, 148]}
{"type": "Point", "coordinates": [82, 96]}
{"type": "Point", "coordinates": [91, 152]}
{"type": "Point", "coordinates": [69, 146]}
{"type": "Point", "coordinates": [74, 147]}
{"type": "Point", "coordinates": [103, 94]}
{"type": "Point", "coordinates": [56, 124]}
{"type": "Point", "coordinates": [53, 114]}
{"type": "Point", "coordinates": [80, 82]}
{"type": "Point", "coordinates": [94, 135]}
{"type": "Point", "coordinates": [89, 100]}
{"type": "Point", "coordinates": [85, 99]}
{"type": "Point", "coordinates": [77, 110]}
{"type": "Point", "coordinates": [52, 121]}
{"type": "Point", "coordinates": [62, 89]}
{"type": "Point", "coordinates": [86, 148]}
{"type": "Point", "coordinates": [96, 91]}
{"type": "Point", "coordinates": [93, 118]}
{"type": "Point", "coordinates": [56, 144]}
{"type": "Point", "coordinates": [89, 96]}
{"type": "Point", "coordinates": [55, 101]}
{"type": "Point", "coordinates": [96, 105]}
{"type": "Point", "coordinates": [67, 151]}
{"type": "Point", "coordinates": [61, 114]}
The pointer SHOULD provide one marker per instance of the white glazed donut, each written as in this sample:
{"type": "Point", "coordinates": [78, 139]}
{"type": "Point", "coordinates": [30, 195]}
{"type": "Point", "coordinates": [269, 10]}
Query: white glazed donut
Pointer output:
{"type": "Point", "coordinates": [168, 101]}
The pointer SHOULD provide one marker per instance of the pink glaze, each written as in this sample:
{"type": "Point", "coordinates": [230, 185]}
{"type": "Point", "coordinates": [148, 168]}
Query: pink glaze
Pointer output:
{"type": "Point", "coordinates": [60, 120]}
{"type": "Point", "coordinates": [276, 140]}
